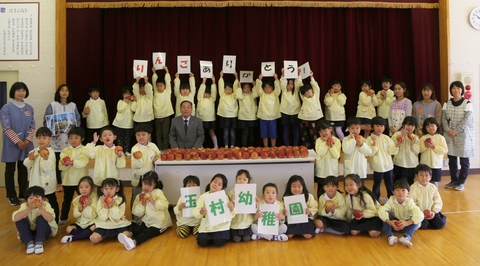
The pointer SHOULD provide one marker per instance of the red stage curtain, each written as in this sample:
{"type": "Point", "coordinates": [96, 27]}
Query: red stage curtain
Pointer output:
{"type": "Point", "coordinates": [339, 43]}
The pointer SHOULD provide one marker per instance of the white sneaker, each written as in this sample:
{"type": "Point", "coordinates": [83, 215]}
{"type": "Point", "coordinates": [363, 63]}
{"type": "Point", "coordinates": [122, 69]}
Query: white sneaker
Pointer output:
{"type": "Point", "coordinates": [255, 237]}
{"type": "Point", "coordinates": [67, 239]}
{"type": "Point", "coordinates": [30, 248]}
{"type": "Point", "coordinates": [405, 241]}
{"type": "Point", "coordinates": [392, 240]}
{"type": "Point", "coordinates": [126, 241]}
{"type": "Point", "coordinates": [38, 248]}
{"type": "Point", "coordinates": [318, 230]}
{"type": "Point", "coordinates": [281, 238]}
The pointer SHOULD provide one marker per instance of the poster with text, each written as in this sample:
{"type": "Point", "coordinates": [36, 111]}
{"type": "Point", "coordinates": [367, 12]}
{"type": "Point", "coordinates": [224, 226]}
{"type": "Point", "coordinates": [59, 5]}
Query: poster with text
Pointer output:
{"type": "Point", "coordinates": [183, 64]}
{"type": "Point", "coordinates": [245, 198]}
{"type": "Point", "coordinates": [268, 224]}
{"type": "Point", "coordinates": [246, 76]}
{"type": "Point", "coordinates": [305, 70]}
{"type": "Point", "coordinates": [189, 197]}
{"type": "Point", "coordinates": [268, 69]}
{"type": "Point", "coordinates": [295, 206]}
{"type": "Point", "coordinates": [217, 208]}
{"type": "Point", "coordinates": [140, 68]}
{"type": "Point", "coordinates": [206, 69]}
{"type": "Point", "coordinates": [159, 60]}
{"type": "Point", "coordinates": [290, 69]}
{"type": "Point", "coordinates": [229, 63]}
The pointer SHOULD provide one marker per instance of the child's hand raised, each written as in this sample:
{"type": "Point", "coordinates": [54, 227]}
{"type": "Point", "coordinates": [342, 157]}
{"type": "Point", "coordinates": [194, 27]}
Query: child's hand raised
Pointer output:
{"type": "Point", "coordinates": [283, 72]}
{"type": "Point", "coordinates": [177, 75]}
{"type": "Point", "coordinates": [221, 74]}
{"type": "Point", "coordinates": [137, 79]}
{"type": "Point", "coordinates": [213, 79]}
{"type": "Point", "coordinates": [260, 77]}
{"type": "Point", "coordinates": [146, 79]}
{"type": "Point", "coordinates": [154, 69]}
{"type": "Point", "coordinates": [191, 75]}
{"type": "Point", "coordinates": [236, 75]}
{"type": "Point", "coordinates": [95, 138]}
{"type": "Point", "coordinates": [165, 68]}
{"type": "Point", "coordinates": [204, 80]}
{"type": "Point", "coordinates": [275, 76]}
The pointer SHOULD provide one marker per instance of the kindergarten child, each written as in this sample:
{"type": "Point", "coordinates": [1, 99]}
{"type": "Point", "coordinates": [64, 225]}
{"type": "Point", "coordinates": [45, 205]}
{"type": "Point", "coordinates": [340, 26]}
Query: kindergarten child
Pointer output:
{"type": "Point", "coordinates": [35, 220]}
{"type": "Point", "coordinates": [240, 228]}
{"type": "Point", "coordinates": [385, 97]}
{"type": "Point", "coordinates": [184, 92]}
{"type": "Point", "coordinates": [400, 108]}
{"type": "Point", "coordinates": [366, 106]}
{"type": "Point", "coordinates": [328, 149]}
{"type": "Point", "coordinates": [268, 109]}
{"type": "Point", "coordinates": [108, 158]}
{"type": "Point", "coordinates": [74, 165]}
{"type": "Point", "coordinates": [95, 111]}
{"type": "Point", "coordinates": [219, 234]}
{"type": "Point", "coordinates": [123, 121]}
{"type": "Point", "coordinates": [310, 112]}
{"type": "Point", "coordinates": [289, 108]}
{"type": "Point", "coordinates": [142, 106]}
{"type": "Point", "coordinates": [269, 195]}
{"type": "Point", "coordinates": [152, 207]}
{"type": "Point", "coordinates": [362, 207]}
{"type": "Point", "coordinates": [84, 209]}
{"type": "Point", "coordinates": [162, 107]}
{"type": "Point", "coordinates": [296, 186]}
{"type": "Point", "coordinates": [408, 145]}
{"type": "Point", "coordinates": [110, 208]}
{"type": "Point", "coordinates": [426, 197]}
{"type": "Point", "coordinates": [381, 157]}
{"type": "Point", "coordinates": [247, 112]}
{"type": "Point", "coordinates": [227, 110]}
{"type": "Point", "coordinates": [433, 148]}
{"type": "Point", "coordinates": [400, 214]}
{"type": "Point", "coordinates": [41, 167]}
{"type": "Point", "coordinates": [206, 107]}
{"type": "Point", "coordinates": [331, 209]}
{"type": "Point", "coordinates": [355, 149]}
{"type": "Point", "coordinates": [186, 225]}
{"type": "Point", "coordinates": [335, 102]}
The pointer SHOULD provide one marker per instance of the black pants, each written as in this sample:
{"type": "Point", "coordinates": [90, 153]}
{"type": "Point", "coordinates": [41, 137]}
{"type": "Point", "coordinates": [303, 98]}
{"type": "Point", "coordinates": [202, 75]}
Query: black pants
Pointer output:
{"type": "Point", "coordinates": [68, 193]}
{"type": "Point", "coordinates": [52, 199]}
{"type": "Point", "coordinates": [10, 179]}
{"type": "Point", "coordinates": [58, 173]}
{"type": "Point", "coordinates": [142, 233]}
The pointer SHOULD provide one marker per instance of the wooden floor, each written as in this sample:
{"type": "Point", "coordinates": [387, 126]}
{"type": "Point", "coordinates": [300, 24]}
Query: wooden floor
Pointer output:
{"type": "Point", "coordinates": [457, 244]}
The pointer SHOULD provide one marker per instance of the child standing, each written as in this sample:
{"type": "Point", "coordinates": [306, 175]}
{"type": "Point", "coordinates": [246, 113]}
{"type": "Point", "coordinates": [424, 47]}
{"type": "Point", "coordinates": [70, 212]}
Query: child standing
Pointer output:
{"type": "Point", "coordinates": [152, 207]}
{"type": "Point", "coordinates": [331, 209]}
{"type": "Point", "coordinates": [335, 102]}
{"type": "Point", "coordinates": [426, 106]}
{"type": "Point", "coordinates": [366, 107]}
{"type": "Point", "coordinates": [206, 107]}
{"type": "Point", "coordinates": [400, 108]}
{"type": "Point", "coordinates": [433, 148]}
{"type": "Point", "coordinates": [247, 112]}
{"type": "Point", "coordinates": [427, 198]}
{"type": "Point", "coordinates": [84, 209]}
{"type": "Point", "coordinates": [186, 225]}
{"type": "Point", "coordinates": [143, 105]}
{"type": "Point", "coordinates": [381, 157]}
{"type": "Point", "coordinates": [110, 208]}
{"type": "Point", "coordinates": [310, 112]}
{"type": "Point", "coordinates": [328, 149]}
{"type": "Point", "coordinates": [219, 234]}
{"type": "Point", "coordinates": [162, 107]}
{"type": "Point", "coordinates": [35, 220]}
{"type": "Point", "coordinates": [240, 228]}
{"type": "Point", "coordinates": [74, 165]}
{"type": "Point", "coordinates": [144, 155]}
{"type": "Point", "coordinates": [362, 207]}
{"type": "Point", "coordinates": [355, 149]}
{"type": "Point", "coordinates": [184, 92]}
{"type": "Point", "coordinates": [296, 186]}
{"type": "Point", "coordinates": [108, 158]}
{"type": "Point", "coordinates": [385, 97]}
{"type": "Point", "coordinates": [123, 121]}
{"type": "Point", "coordinates": [400, 214]}
{"type": "Point", "coordinates": [41, 167]}
{"type": "Point", "coordinates": [269, 195]}
{"type": "Point", "coordinates": [289, 108]}
{"type": "Point", "coordinates": [95, 111]}
{"type": "Point", "coordinates": [227, 110]}
{"type": "Point", "coordinates": [268, 109]}
{"type": "Point", "coordinates": [408, 145]}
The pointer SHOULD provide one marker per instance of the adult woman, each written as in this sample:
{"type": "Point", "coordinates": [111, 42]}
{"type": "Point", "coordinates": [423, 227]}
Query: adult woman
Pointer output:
{"type": "Point", "coordinates": [459, 131]}
{"type": "Point", "coordinates": [18, 125]}
{"type": "Point", "coordinates": [426, 106]}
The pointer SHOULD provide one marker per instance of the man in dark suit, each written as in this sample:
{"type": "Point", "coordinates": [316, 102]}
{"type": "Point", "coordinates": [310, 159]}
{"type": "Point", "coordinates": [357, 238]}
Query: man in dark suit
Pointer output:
{"type": "Point", "coordinates": [186, 130]}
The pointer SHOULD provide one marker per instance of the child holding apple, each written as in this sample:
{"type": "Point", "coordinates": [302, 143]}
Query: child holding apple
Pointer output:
{"type": "Point", "coordinates": [74, 165]}
{"type": "Point", "coordinates": [408, 146]}
{"type": "Point", "coordinates": [108, 157]}
{"type": "Point", "coordinates": [367, 101]}
{"type": "Point", "coordinates": [186, 225]}
{"type": "Point", "coordinates": [433, 148]}
{"type": "Point", "coordinates": [41, 167]}
{"type": "Point", "coordinates": [355, 148]}
{"type": "Point", "coordinates": [310, 112]}
{"type": "Point", "coordinates": [331, 209]}
{"type": "Point", "coordinates": [152, 206]}
{"type": "Point", "coordinates": [38, 214]}
{"type": "Point", "coordinates": [400, 214]}
{"type": "Point", "coordinates": [328, 148]}
{"type": "Point", "coordinates": [84, 209]}
{"type": "Point", "coordinates": [110, 208]}
{"type": "Point", "coordinates": [143, 104]}
{"type": "Point", "coordinates": [144, 155]}
{"type": "Point", "coordinates": [123, 121]}
{"type": "Point", "coordinates": [335, 101]}
{"type": "Point", "coordinates": [95, 111]}
{"type": "Point", "coordinates": [362, 206]}
{"type": "Point", "coordinates": [426, 196]}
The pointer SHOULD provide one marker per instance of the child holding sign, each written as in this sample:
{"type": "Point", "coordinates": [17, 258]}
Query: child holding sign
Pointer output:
{"type": "Point", "coordinates": [296, 186]}
{"type": "Point", "coordinates": [207, 95]}
{"type": "Point", "coordinates": [269, 109]}
{"type": "Point", "coordinates": [240, 228]}
{"type": "Point", "coordinates": [184, 92]}
{"type": "Point", "coordinates": [143, 106]}
{"type": "Point", "coordinates": [310, 112]}
{"type": "Point", "coordinates": [162, 107]}
{"type": "Point", "coordinates": [247, 111]}
{"type": "Point", "coordinates": [227, 110]}
{"type": "Point", "coordinates": [289, 107]}
{"type": "Point", "coordinates": [186, 225]}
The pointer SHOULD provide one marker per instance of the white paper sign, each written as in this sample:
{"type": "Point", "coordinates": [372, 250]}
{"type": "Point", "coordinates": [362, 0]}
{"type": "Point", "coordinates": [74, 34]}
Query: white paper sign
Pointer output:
{"type": "Point", "coordinates": [290, 69]}
{"type": "Point", "coordinates": [140, 68]}
{"type": "Point", "coordinates": [246, 76]}
{"type": "Point", "coordinates": [245, 198]}
{"type": "Point", "coordinates": [159, 60]}
{"type": "Point", "coordinates": [217, 208]}
{"type": "Point", "coordinates": [295, 206]}
{"type": "Point", "coordinates": [268, 224]}
{"type": "Point", "coordinates": [206, 69]}
{"type": "Point", "coordinates": [305, 70]}
{"type": "Point", "coordinates": [189, 197]}
{"type": "Point", "coordinates": [268, 69]}
{"type": "Point", "coordinates": [229, 63]}
{"type": "Point", "coordinates": [183, 64]}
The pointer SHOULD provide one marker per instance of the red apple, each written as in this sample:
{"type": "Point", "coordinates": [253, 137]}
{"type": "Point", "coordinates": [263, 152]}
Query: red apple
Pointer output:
{"type": "Point", "coordinates": [398, 224]}
{"type": "Point", "coordinates": [118, 148]}
{"type": "Point", "coordinates": [108, 200]}
{"type": "Point", "coordinates": [468, 95]}
{"type": "Point", "coordinates": [203, 155]}
{"type": "Point", "coordinates": [331, 91]}
{"type": "Point", "coordinates": [263, 155]}
{"type": "Point", "coordinates": [330, 141]}
{"type": "Point", "coordinates": [304, 153]}
{"type": "Point", "coordinates": [220, 155]}
{"type": "Point", "coordinates": [245, 155]}
{"type": "Point", "coordinates": [43, 152]}
{"type": "Point", "coordinates": [358, 214]}
{"type": "Point", "coordinates": [143, 196]}
{"type": "Point", "coordinates": [272, 154]}
{"type": "Point", "coordinates": [229, 155]}
{"type": "Point", "coordinates": [358, 137]}
{"type": "Point", "coordinates": [187, 156]}
{"type": "Point", "coordinates": [36, 202]}
{"type": "Point", "coordinates": [137, 155]}
{"type": "Point", "coordinates": [428, 141]}
{"type": "Point", "coordinates": [400, 138]}
{"type": "Point", "coordinates": [66, 160]}
{"type": "Point", "coordinates": [281, 154]}
{"type": "Point", "coordinates": [195, 155]}
{"type": "Point", "coordinates": [288, 153]}
{"type": "Point", "coordinates": [133, 98]}
{"type": "Point", "coordinates": [212, 156]}
{"type": "Point", "coordinates": [296, 154]}
{"type": "Point", "coordinates": [163, 157]}
{"type": "Point", "coordinates": [178, 156]}
{"type": "Point", "coordinates": [427, 213]}
{"type": "Point", "coordinates": [83, 200]}
{"type": "Point", "coordinates": [170, 157]}
{"type": "Point", "coordinates": [254, 155]}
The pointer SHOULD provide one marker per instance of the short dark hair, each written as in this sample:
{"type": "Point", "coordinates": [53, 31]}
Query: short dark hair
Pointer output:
{"type": "Point", "coordinates": [428, 121]}
{"type": "Point", "coordinates": [36, 191]}
{"type": "Point", "coordinates": [336, 82]}
{"type": "Point", "coordinates": [43, 132]}
{"type": "Point", "coordinates": [111, 129]}
{"type": "Point", "coordinates": [246, 172]}
{"type": "Point", "coordinates": [366, 81]}
{"type": "Point", "coordinates": [387, 79]}
{"type": "Point", "coordinates": [377, 120]}
{"type": "Point", "coordinates": [57, 93]}
{"type": "Point", "coordinates": [186, 101]}
{"type": "Point", "coordinates": [126, 89]}
{"type": "Point", "coordinates": [410, 120]}
{"type": "Point", "coordinates": [191, 178]}
{"type": "Point", "coordinates": [93, 88]}
{"type": "Point", "coordinates": [401, 184]}
{"type": "Point", "coordinates": [269, 185]}
{"type": "Point", "coordinates": [423, 168]}
{"type": "Point", "coordinates": [151, 178]}
{"type": "Point", "coordinates": [185, 86]}
{"type": "Point", "coordinates": [143, 128]}
{"type": "Point", "coordinates": [322, 124]}
{"type": "Point", "coordinates": [353, 121]}
{"type": "Point", "coordinates": [79, 131]}
{"type": "Point", "coordinates": [305, 88]}
{"type": "Point", "coordinates": [458, 84]}
{"type": "Point", "coordinates": [18, 86]}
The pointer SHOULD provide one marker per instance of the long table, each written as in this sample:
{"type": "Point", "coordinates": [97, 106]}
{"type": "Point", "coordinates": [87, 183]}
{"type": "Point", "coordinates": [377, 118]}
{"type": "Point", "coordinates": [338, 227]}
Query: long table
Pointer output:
{"type": "Point", "coordinates": [263, 171]}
